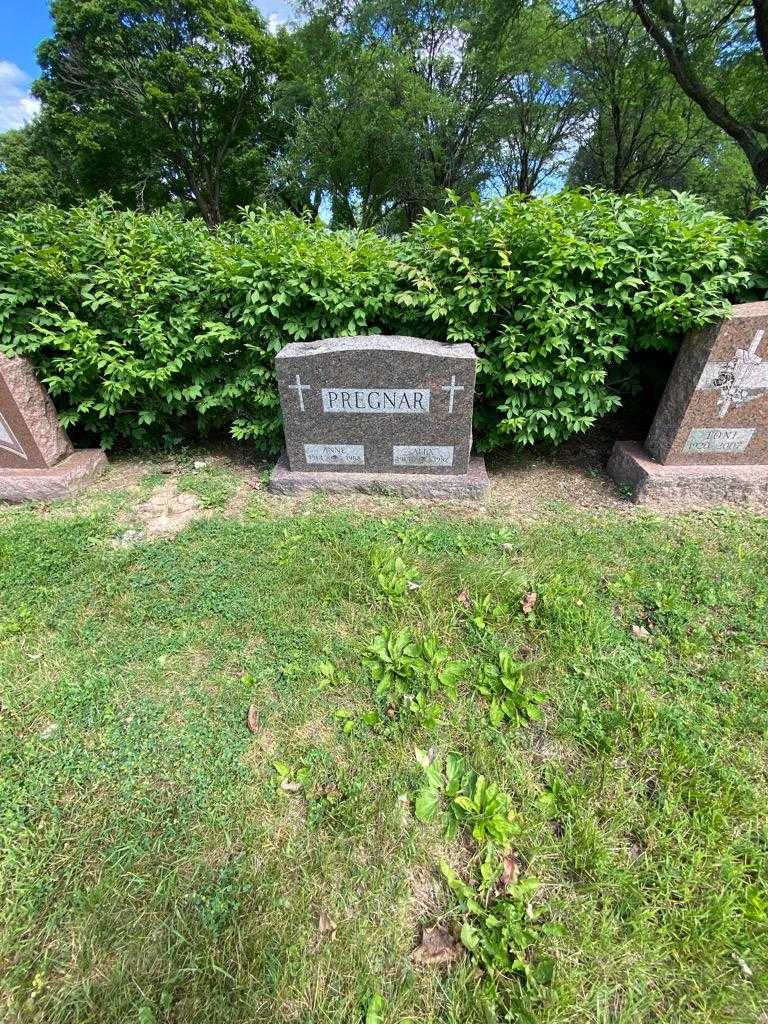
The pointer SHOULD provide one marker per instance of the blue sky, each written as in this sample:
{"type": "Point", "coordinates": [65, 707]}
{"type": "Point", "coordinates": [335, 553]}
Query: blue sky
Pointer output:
{"type": "Point", "coordinates": [23, 25]}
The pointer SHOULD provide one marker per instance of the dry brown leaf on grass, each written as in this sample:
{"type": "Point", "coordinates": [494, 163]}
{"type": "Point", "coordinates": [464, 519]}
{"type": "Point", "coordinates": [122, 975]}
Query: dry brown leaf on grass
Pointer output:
{"type": "Point", "coordinates": [252, 720]}
{"type": "Point", "coordinates": [510, 869]}
{"type": "Point", "coordinates": [640, 632]}
{"type": "Point", "coordinates": [326, 924]}
{"type": "Point", "coordinates": [464, 600]}
{"type": "Point", "coordinates": [438, 946]}
{"type": "Point", "coordinates": [528, 602]}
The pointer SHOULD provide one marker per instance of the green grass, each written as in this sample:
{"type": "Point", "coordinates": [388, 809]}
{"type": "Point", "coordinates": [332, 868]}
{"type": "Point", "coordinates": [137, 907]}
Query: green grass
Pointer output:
{"type": "Point", "coordinates": [152, 870]}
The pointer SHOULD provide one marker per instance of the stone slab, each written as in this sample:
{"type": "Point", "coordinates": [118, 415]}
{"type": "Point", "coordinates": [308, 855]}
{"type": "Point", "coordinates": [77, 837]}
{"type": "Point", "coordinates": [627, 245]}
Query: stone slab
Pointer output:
{"type": "Point", "coordinates": [690, 486]}
{"type": "Point", "coordinates": [59, 481]}
{"type": "Point", "coordinates": [457, 486]}
{"type": "Point", "coordinates": [30, 434]}
{"type": "Point", "coordinates": [714, 410]}
{"type": "Point", "coordinates": [377, 404]}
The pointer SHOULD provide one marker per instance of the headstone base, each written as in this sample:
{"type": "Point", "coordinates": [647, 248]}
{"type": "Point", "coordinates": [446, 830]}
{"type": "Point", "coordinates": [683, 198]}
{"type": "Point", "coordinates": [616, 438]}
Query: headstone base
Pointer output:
{"type": "Point", "coordinates": [470, 485]}
{"type": "Point", "coordinates": [684, 486]}
{"type": "Point", "coordinates": [59, 481]}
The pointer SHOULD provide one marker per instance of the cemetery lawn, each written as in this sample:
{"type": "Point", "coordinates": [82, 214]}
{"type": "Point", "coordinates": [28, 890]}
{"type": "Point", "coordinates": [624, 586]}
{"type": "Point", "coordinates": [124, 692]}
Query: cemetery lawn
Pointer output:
{"type": "Point", "coordinates": [161, 862]}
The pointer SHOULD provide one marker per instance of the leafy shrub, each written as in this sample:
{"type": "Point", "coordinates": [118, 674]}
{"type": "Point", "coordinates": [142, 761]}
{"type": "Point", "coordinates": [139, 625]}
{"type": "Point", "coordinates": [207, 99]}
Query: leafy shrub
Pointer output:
{"type": "Point", "coordinates": [147, 328]}
{"type": "Point", "coordinates": [553, 292]}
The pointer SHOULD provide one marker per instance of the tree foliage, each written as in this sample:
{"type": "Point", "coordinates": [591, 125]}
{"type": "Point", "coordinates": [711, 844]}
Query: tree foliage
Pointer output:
{"type": "Point", "coordinates": [645, 133]}
{"type": "Point", "coordinates": [718, 54]}
{"type": "Point", "coordinates": [181, 86]}
{"type": "Point", "coordinates": [369, 111]}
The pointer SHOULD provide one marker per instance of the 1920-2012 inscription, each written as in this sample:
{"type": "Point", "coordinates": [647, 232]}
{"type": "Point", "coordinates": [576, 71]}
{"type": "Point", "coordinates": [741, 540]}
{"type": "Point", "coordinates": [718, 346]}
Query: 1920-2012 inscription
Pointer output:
{"type": "Point", "coordinates": [376, 400]}
{"type": "Point", "coordinates": [719, 440]}
{"type": "Point", "coordinates": [422, 455]}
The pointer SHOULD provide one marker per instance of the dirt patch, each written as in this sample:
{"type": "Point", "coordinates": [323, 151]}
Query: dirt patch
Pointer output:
{"type": "Point", "coordinates": [164, 515]}
{"type": "Point", "coordinates": [427, 894]}
{"type": "Point", "coordinates": [525, 485]}
{"type": "Point", "coordinates": [265, 747]}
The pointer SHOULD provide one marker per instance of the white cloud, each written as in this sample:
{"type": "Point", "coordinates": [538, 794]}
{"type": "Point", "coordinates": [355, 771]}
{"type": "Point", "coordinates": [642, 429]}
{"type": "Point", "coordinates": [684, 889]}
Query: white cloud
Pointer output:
{"type": "Point", "coordinates": [17, 106]}
{"type": "Point", "coordinates": [274, 22]}
{"type": "Point", "coordinates": [276, 12]}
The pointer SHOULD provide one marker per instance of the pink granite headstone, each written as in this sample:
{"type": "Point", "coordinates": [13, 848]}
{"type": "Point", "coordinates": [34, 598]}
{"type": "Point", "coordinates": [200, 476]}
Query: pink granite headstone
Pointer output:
{"type": "Point", "coordinates": [709, 439]}
{"type": "Point", "coordinates": [37, 460]}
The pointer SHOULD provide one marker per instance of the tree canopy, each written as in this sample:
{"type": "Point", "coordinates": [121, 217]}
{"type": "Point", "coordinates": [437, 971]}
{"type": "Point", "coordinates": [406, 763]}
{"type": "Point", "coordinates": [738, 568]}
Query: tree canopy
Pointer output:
{"type": "Point", "coordinates": [369, 111]}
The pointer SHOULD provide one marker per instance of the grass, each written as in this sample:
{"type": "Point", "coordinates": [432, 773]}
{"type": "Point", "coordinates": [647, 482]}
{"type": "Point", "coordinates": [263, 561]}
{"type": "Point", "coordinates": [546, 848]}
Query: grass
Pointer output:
{"type": "Point", "coordinates": [152, 868]}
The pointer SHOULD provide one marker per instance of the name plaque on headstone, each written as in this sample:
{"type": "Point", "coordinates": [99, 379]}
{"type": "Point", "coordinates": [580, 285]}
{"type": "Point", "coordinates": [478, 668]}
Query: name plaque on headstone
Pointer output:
{"type": "Point", "coordinates": [377, 406]}
{"type": "Point", "coordinates": [712, 420]}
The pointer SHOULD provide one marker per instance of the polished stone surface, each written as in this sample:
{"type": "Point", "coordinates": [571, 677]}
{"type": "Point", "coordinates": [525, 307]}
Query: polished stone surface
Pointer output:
{"type": "Point", "coordinates": [714, 410]}
{"type": "Point", "coordinates": [37, 461]}
{"type": "Point", "coordinates": [30, 435]}
{"type": "Point", "coordinates": [376, 404]}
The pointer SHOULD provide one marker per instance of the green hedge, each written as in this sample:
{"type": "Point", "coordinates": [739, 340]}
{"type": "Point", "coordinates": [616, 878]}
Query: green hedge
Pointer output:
{"type": "Point", "coordinates": [147, 328]}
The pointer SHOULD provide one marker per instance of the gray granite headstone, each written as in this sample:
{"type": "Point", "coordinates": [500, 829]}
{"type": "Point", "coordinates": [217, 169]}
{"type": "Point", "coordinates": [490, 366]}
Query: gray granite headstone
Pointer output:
{"type": "Point", "coordinates": [377, 406]}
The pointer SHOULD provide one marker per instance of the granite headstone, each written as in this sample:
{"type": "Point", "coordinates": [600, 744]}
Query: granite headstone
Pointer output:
{"type": "Point", "coordinates": [378, 414]}
{"type": "Point", "coordinates": [37, 460]}
{"type": "Point", "coordinates": [709, 439]}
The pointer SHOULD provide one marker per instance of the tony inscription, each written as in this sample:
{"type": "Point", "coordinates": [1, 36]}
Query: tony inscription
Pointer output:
{"type": "Point", "coordinates": [377, 404]}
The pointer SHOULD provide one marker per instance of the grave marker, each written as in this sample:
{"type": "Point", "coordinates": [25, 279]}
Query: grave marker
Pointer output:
{"type": "Point", "coordinates": [37, 460]}
{"type": "Point", "coordinates": [709, 439]}
{"type": "Point", "coordinates": [376, 413]}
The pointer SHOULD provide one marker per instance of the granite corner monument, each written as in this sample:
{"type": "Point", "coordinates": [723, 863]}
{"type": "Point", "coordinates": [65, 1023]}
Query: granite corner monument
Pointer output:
{"type": "Point", "coordinates": [376, 414]}
{"type": "Point", "coordinates": [37, 460]}
{"type": "Point", "coordinates": [709, 440]}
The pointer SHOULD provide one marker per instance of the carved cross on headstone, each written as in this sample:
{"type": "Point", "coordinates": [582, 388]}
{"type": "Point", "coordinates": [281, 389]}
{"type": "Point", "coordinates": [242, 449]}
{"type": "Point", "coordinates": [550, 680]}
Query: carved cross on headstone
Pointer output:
{"type": "Point", "coordinates": [452, 388]}
{"type": "Point", "coordinates": [709, 440]}
{"type": "Point", "coordinates": [300, 388]}
{"type": "Point", "coordinates": [743, 377]}
{"type": "Point", "coordinates": [710, 412]}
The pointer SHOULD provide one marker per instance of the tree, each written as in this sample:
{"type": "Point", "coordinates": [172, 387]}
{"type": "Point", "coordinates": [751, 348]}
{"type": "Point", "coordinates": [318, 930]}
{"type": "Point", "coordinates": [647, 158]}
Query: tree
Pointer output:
{"type": "Point", "coordinates": [724, 180]}
{"type": "Point", "coordinates": [644, 133]}
{"type": "Point", "coordinates": [542, 113]}
{"type": "Point", "coordinates": [718, 54]}
{"type": "Point", "coordinates": [177, 90]}
{"type": "Point", "coordinates": [353, 117]}
{"type": "Point", "coordinates": [29, 172]}
{"type": "Point", "coordinates": [452, 65]}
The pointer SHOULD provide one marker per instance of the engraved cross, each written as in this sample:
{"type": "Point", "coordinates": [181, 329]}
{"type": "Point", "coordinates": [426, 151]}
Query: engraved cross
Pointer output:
{"type": "Point", "coordinates": [300, 388]}
{"type": "Point", "coordinates": [453, 387]}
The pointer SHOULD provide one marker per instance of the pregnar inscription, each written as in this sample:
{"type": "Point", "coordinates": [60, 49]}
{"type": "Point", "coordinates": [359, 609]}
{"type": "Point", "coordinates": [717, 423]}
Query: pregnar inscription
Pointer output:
{"type": "Point", "coordinates": [373, 400]}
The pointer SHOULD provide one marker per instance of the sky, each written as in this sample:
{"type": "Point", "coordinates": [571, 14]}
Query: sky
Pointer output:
{"type": "Point", "coordinates": [23, 25]}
